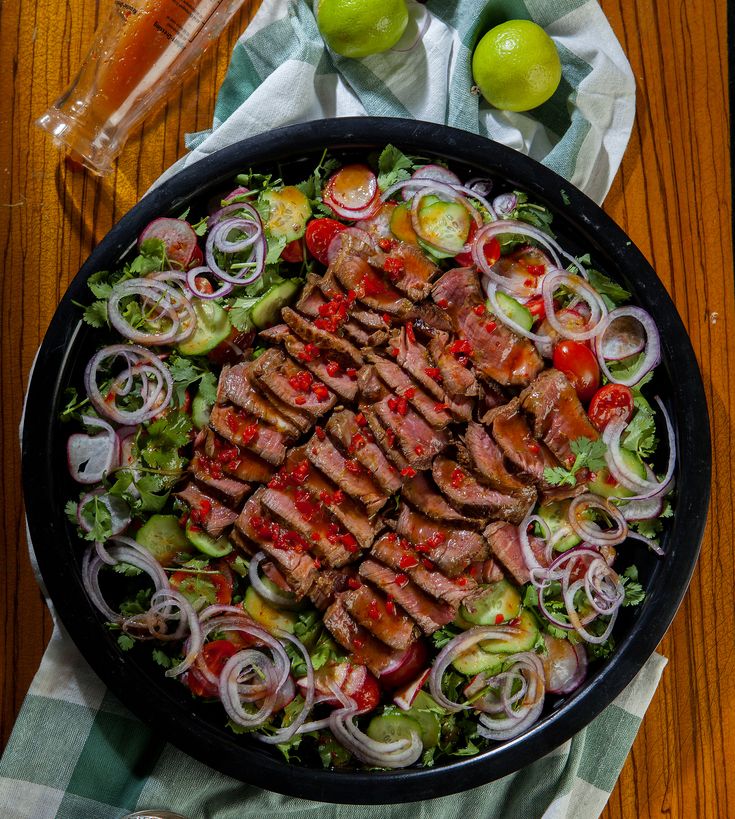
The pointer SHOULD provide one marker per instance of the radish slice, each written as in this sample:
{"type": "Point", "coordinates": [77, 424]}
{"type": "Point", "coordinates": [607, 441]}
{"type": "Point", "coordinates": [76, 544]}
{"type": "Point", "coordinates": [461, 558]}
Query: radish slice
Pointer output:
{"type": "Point", "coordinates": [177, 235]}
{"type": "Point", "coordinates": [118, 509]}
{"type": "Point", "coordinates": [405, 696]}
{"type": "Point", "coordinates": [565, 665]}
{"type": "Point", "coordinates": [378, 226]}
{"type": "Point", "coordinates": [353, 215]}
{"type": "Point", "coordinates": [623, 337]}
{"type": "Point", "coordinates": [91, 457]}
{"type": "Point", "coordinates": [430, 173]}
{"type": "Point", "coordinates": [353, 188]}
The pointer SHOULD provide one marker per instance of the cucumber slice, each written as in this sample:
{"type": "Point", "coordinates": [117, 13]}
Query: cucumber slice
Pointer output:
{"type": "Point", "coordinates": [555, 515]}
{"type": "Point", "coordinates": [446, 224]}
{"type": "Point", "coordinates": [200, 411]}
{"type": "Point", "coordinates": [206, 544]}
{"type": "Point", "coordinates": [514, 310]}
{"type": "Point", "coordinates": [499, 600]}
{"type": "Point", "coordinates": [267, 310]}
{"type": "Point", "coordinates": [213, 327]}
{"type": "Point", "coordinates": [162, 536]}
{"type": "Point", "coordinates": [392, 727]}
{"type": "Point", "coordinates": [524, 641]}
{"type": "Point", "coordinates": [604, 484]}
{"type": "Point", "coordinates": [400, 224]}
{"type": "Point", "coordinates": [267, 615]}
{"type": "Point", "coordinates": [288, 211]}
{"type": "Point", "coordinates": [426, 713]}
{"type": "Point", "coordinates": [475, 660]}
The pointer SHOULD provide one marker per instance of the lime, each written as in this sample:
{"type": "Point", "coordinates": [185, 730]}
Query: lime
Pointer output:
{"type": "Point", "coordinates": [516, 66]}
{"type": "Point", "coordinates": [357, 28]}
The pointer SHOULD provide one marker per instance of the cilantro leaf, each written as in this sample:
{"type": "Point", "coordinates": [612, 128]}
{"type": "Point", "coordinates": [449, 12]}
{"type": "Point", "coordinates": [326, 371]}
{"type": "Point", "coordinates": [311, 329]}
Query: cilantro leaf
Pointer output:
{"type": "Point", "coordinates": [441, 637]}
{"type": "Point", "coordinates": [70, 510]}
{"type": "Point", "coordinates": [125, 641]}
{"type": "Point", "coordinates": [127, 569]}
{"type": "Point", "coordinates": [640, 434]}
{"type": "Point", "coordinates": [393, 166]}
{"type": "Point", "coordinates": [589, 454]}
{"type": "Point", "coordinates": [73, 404]}
{"type": "Point", "coordinates": [96, 314]}
{"type": "Point", "coordinates": [240, 313]}
{"type": "Point", "coordinates": [151, 257]}
{"type": "Point", "coordinates": [162, 658]}
{"type": "Point", "coordinates": [634, 592]}
{"type": "Point", "coordinates": [312, 187]}
{"type": "Point", "coordinates": [558, 476]}
{"type": "Point", "coordinates": [613, 294]}
{"type": "Point", "coordinates": [186, 372]}
{"type": "Point", "coordinates": [136, 605]}
{"type": "Point", "coordinates": [98, 519]}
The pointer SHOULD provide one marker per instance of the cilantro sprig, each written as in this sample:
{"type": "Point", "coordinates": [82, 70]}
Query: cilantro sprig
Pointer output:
{"type": "Point", "coordinates": [589, 454]}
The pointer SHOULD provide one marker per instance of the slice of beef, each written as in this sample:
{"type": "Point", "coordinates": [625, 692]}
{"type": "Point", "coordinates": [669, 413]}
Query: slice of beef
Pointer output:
{"type": "Point", "coordinates": [236, 385]}
{"type": "Point", "coordinates": [505, 544]}
{"type": "Point", "coordinates": [354, 273]}
{"type": "Point", "coordinates": [210, 474]}
{"type": "Point", "coordinates": [421, 492]}
{"type": "Point", "coordinates": [558, 415]}
{"type": "Point", "coordinates": [308, 331]}
{"type": "Point", "coordinates": [355, 440]}
{"type": "Point", "coordinates": [365, 649]}
{"type": "Point", "coordinates": [463, 489]}
{"type": "Point", "coordinates": [342, 507]}
{"type": "Point", "coordinates": [348, 474]}
{"type": "Point", "coordinates": [296, 509]}
{"type": "Point", "coordinates": [276, 371]}
{"type": "Point", "coordinates": [330, 287]}
{"type": "Point", "coordinates": [450, 547]}
{"type": "Point", "coordinates": [495, 350]}
{"type": "Point", "coordinates": [311, 298]}
{"type": "Point", "coordinates": [418, 440]}
{"type": "Point", "coordinates": [328, 583]}
{"type": "Point", "coordinates": [457, 379]}
{"type": "Point", "coordinates": [492, 395]}
{"type": "Point", "coordinates": [242, 543]}
{"type": "Point", "coordinates": [488, 459]}
{"type": "Point", "coordinates": [274, 334]}
{"type": "Point", "coordinates": [398, 380]}
{"type": "Point", "coordinates": [399, 555]}
{"type": "Point", "coordinates": [383, 620]}
{"type": "Point", "coordinates": [429, 614]}
{"type": "Point", "coordinates": [414, 358]}
{"type": "Point", "coordinates": [487, 571]}
{"type": "Point", "coordinates": [513, 435]}
{"type": "Point", "coordinates": [248, 432]}
{"type": "Point", "coordinates": [233, 460]}
{"type": "Point", "coordinates": [297, 566]}
{"type": "Point", "coordinates": [409, 268]}
{"type": "Point", "coordinates": [384, 438]}
{"type": "Point", "coordinates": [215, 517]}
{"type": "Point", "coordinates": [326, 369]}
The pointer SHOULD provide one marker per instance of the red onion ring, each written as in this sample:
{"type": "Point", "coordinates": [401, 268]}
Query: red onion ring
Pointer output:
{"type": "Point", "coordinates": [529, 557]}
{"type": "Point", "coordinates": [427, 175]}
{"type": "Point", "coordinates": [224, 289]}
{"type": "Point", "coordinates": [577, 623]}
{"type": "Point", "coordinates": [230, 693]}
{"type": "Point", "coordinates": [278, 599]}
{"type": "Point", "coordinates": [652, 355]}
{"type": "Point", "coordinates": [584, 290]}
{"type": "Point", "coordinates": [504, 204]}
{"type": "Point", "coordinates": [168, 303]}
{"type": "Point", "coordinates": [528, 665]}
{"type": "Point", "coordinates": [590, 531]}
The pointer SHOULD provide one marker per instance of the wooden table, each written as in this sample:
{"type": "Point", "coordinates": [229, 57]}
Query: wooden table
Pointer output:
{"type": "Point", "coordinates": [673, 197]}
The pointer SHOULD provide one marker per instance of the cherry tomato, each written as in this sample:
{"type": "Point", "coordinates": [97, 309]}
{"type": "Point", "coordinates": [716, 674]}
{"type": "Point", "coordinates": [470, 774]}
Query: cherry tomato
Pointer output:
{"type": "Point", "coordinates": [293, 252]}
{"type": "Point", "coordinates": [204, 285]}
{"type": "Point", "coordinates": [413, 661]}
{"type": "Point", "coordinates": [611, 401]}
{"type": "Point", "coordinates": [196, 259]}
{"type": "Point", "coordinates": [492, 250]}
{"type": "Point", "coordinates": [367, 695]}
{"type": "Point", "coordinates": [319, 235]}
{"type": "Point", "coordinates": [579, 364]}
{"type": "Point", "coordinates": [536, 308]}
{"type": "Point", "coordinates": [215, 655]}
{"type": "Point", "coordinates": [214, 587]}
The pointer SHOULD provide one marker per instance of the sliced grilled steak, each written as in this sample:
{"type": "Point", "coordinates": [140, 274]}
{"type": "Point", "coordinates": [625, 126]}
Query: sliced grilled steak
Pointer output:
{"type": "Point", "coordinates": [309, 332]}
{"type": "Point", "coordinates": [365, 649]}
{"type": "Point", "coordinates": [463, 489]}
{"type": "Point", "coordinates": [513, 435]}
{"type": "Point", "coordinates": [487, 571]}
{"type": "Point", "coordinates": [505, 544]}
{"type": "Point", "coordinates": [295, 507]}
{"type": "Point", "coordinates": [410, 270]}
{"type": "Point", "coordinates": [495, 350]}
{"type": "Point", "coordinates": [311, 298]}
{"type": "Point", "coordinates": [246, 431]}
{"type": "Point", "coordinates": [274, 334]}
{"type": "Point", "coordinates": [451, 548]}
{"type": "Point", "coordinates": [279, 375]}
{"type": "Point", "coordinates": [214, 515]}
{"type": "Point", "coordinates": [242, 543]}
{"type": "Point", "coordinates": [205, 472]}
{"type": "Point", "coordinates": [421, 492]}
{"type": "Point", "coordinates": [234, 461]}
{"type": "Point", "coordinates": [400, 383]}
{"type": "Point", "coordinates": [488, 459]}
{"type": "Point", "coordinates": [355, 440]}
{"type": "Point", "coordinates": [414, 359]}
{"type": "Point", "coordinates": [367, 318]}
{"type": "Point", "coordinates": [296, 565]}
{"type": "Point", "coordinates": [348, 474]}
{"type": "Point", "coordinates": [429, 614]}
{"type": "Point", "coordinates": [457, 379]}
{"type": "Point", "coordinates": [383, 620]}
{"type": "Point", "coordinates": [328, 583]}
{"type": "Point", "coordinates": [403, 559]}
{"type": "Point", "coordinates": [324, 367]}
{"type": "Point", "coordinates": [385, 438]}
{"type": "Point", "coordinates": [235, 385]}
{"type": "Point", "coordinates": [419, 442]}
{"type": "Point", "coordinates": [558, 416]}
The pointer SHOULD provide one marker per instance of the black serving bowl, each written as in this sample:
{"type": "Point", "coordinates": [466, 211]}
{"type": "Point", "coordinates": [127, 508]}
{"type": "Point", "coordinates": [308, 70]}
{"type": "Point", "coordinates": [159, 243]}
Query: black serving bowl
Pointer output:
{"type": "Point", "coordinates": [198, 728]}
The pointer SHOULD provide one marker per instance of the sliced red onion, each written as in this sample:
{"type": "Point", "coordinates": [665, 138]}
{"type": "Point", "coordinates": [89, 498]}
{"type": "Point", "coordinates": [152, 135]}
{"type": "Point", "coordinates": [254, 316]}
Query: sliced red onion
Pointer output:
{"type": "Point", "coordinates": [652, 347]}
{"type": "Point", "coordinates": [166, 303]}
{"type": "Point", "coordinates": [101, 552]}
{"type": "Point", "coordinates": [426, 175]}
{"type": "Point", "coordinates": [224, 289]}
{"type": "Point", "coordinates": [336, 244]}
{"type": "Point", "coordinates": [284, 601]}
{"type": "Point", "coordinates": [529, 557]}
{"type": "Point", "coordinates": [492, 295]}
{"type": "Point", "coordinates": [504, 204]}
{"type": "Point", "coordinates": [453, 649]}
{"type": "Point", "coordinates": [255, 241]}
{"type": "Point", "coordinates": [250, 227]}
{"type": "Point", "coordinates": [118, 509]}
{"type": "Point", "coordinates": [156, 383]}
{"type": "Point", "coordinates": [652, 545]}
{"type": "Point", "coordinates": [584, 291]}
{"type": "Point", "coordinates": [481, 185]}
{"type": "Point", "coordinates": [577, 623]}
{"type": "Point", "coordinates": [231, 209]}
{"type": "Point", "coordinates": [529, 666]}
{"type": "Point", "coordinates": [643, 509]}
{"type": "Point", "coordinates": [589, 530]}
{"type": "Point", "coordinates": [248, 660]}
{"type": "Point", "coordinates": [91, 457]}
{"type": "Point", "coordinates": [603, 587]}
{"type": "Point", "coordinates": [418, 24]}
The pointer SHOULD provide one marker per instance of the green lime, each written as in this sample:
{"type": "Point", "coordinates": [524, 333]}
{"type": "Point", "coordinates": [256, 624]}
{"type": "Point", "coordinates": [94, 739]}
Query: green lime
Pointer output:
{"type": "Point", "coordinates": [516, 66]}
{"type": "Point", "coordinates": [357, 28]}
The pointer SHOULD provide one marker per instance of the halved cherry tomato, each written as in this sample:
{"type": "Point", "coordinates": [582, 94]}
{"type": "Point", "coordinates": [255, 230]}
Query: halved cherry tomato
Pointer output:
{"type": "Point", "coordinates": [611, 401]}
{"type": "Point", "coordinates": [196, 259]}
{"type": "Point", "coordinates": [293, 252]}
{"type": "Point", "coordinates": [215, 655]}
{"type": "Point", "coordinates": [492, 249]}
{"type": "Point", "coordinates": [319, 235]}
{"type": "Point", "coordinates": [413, 661]}
{"type": "Point", "coordinates": [367, 695]}
{"type": "Point", "coordinates": [214, 587]}
{"type": "Point", "coordinates": [536, 308]}
{"type": "Point", "coordinates": [204, 285]}
{"type": "Point", "coordinates": [579, 364]}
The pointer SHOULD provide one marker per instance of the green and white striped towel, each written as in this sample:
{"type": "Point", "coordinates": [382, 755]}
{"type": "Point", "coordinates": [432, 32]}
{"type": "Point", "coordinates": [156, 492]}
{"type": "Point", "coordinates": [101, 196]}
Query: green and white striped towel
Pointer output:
{"type": "Point", "coordinates": [76, 751]}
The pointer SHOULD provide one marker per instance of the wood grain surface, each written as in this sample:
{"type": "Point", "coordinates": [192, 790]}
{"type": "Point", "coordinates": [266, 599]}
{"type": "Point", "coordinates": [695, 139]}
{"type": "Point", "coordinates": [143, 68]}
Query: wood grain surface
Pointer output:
{"type": "Point", "coordinates": [673, 197]}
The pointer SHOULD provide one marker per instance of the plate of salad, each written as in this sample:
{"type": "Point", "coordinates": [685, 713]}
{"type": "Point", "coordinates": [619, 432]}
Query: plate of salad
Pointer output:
{"type": "Point", "coordinates": [353, 457]}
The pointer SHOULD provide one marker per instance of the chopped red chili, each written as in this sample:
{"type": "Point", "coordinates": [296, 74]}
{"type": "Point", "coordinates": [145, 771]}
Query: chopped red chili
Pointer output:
{"type": "Point", "coordinates": [408, 472]}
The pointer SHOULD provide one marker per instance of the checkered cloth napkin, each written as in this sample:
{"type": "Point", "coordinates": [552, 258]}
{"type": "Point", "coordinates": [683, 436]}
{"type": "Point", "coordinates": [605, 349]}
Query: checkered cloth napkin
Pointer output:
{"type": "Point", "coordinates": [75, 750]}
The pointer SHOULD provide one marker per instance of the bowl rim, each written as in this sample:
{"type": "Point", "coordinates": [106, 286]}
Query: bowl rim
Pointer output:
{"type": "Point", "coordinates": [177, 720]}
